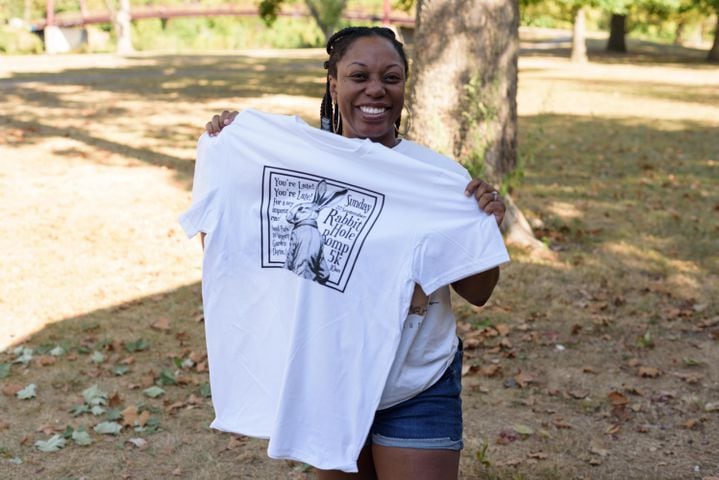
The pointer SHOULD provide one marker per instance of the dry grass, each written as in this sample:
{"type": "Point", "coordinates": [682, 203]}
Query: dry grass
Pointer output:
{"type": "Point", "coordinates": [620, 164]}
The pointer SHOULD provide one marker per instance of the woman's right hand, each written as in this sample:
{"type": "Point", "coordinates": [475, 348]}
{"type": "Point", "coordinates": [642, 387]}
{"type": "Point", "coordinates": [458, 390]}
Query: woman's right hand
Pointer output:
{"type": "Point", "coordinates": [219, 122]}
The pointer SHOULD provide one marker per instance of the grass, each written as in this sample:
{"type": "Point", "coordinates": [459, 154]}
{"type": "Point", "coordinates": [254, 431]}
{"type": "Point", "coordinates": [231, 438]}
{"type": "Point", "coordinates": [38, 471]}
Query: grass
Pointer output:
{"type": "Point", "coordinates": [620, 163]}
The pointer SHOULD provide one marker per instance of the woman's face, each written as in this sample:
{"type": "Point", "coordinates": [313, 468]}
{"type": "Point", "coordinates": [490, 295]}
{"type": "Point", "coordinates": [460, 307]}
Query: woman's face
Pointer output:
{"type": "Point", "coordinates": [369, 90]}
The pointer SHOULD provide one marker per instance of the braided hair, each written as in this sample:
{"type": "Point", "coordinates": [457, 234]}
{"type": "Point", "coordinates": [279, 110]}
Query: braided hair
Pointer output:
{"type": "Point", "coordinates": [337, 46]}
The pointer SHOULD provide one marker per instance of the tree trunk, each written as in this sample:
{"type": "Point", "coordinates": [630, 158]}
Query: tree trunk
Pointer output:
{"type": "Point", "coordinates": [714, 51]}
{"type": "Point", "coordinates": [617, 34]}
{"type": "Point", "coordinates": [463, 92]}
{"type": "Point", "coordinates": [579, 42]}
{"type": "Point", "coordinates": [124, 29]}
{"type": "Point", "coordinates": [679, 33]}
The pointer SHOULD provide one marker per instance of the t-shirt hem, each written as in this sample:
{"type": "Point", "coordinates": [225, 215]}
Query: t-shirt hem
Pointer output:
{"type": "Point", "coordinates": [188, 227]}
{"type": "Point", "coordinates": [314, 461]}
{"type": "Point", "coordinates": [227, 429]}
{"type": "Point", "coordinates": [464, 271]}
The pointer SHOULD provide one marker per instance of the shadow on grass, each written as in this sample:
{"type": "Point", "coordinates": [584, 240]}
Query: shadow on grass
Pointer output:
{"type": "Point", "coordinates": [199, 78]}
{"type": "Point", "coordinates": [649, 184]}
{"type": "Point", "coordinates": [639, 52]}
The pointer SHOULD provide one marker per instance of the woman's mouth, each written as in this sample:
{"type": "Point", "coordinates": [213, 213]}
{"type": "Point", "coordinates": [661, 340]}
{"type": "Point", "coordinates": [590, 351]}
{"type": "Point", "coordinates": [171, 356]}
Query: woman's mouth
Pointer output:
{"type": "Point", "coordinates": [373, 110]}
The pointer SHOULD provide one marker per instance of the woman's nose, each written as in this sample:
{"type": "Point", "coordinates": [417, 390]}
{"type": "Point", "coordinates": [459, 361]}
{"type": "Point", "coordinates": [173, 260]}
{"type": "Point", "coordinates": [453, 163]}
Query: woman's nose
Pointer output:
{"type": "Point", "coordinates": [375, 88]}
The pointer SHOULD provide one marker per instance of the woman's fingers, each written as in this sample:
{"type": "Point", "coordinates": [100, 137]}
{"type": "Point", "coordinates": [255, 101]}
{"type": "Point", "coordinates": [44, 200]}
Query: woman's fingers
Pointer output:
{"type": "Point", "coordinates": [487, 198]}
{"type": "Point", "coordinates": [218, 122]}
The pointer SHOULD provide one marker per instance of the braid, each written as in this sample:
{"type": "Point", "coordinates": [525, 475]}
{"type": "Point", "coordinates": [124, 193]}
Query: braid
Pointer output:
{"type": "Point", "coordinates": [337, 46]}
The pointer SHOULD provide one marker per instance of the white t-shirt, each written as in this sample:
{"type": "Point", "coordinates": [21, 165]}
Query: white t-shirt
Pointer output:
{"type": "Point", "coordinates": [314, 243]}
{"type": "Point", "coordinates": [429, 340]}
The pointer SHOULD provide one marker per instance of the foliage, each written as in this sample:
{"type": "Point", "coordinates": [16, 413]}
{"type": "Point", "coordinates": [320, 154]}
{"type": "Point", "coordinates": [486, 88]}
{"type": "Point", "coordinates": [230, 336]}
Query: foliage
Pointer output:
{"type": "Point", "coordinates": [15, 41]}
{"type": "Point", "coordinates": [183, 34]}
{"type": "Point", "coordinates": [326, 13]}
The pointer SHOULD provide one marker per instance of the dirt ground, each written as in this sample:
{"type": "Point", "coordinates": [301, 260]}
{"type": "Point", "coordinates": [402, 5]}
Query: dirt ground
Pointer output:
{"type": "Point", "coordinates": [595, 361]}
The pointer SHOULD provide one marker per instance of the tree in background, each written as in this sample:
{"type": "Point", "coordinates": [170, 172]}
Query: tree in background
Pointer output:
{"type": "Point", "coordinates": [463, 91]}
{"type": "Point", "coordinates": [326, 13]}
{"type": "Point", "coordinates": [711, 7]}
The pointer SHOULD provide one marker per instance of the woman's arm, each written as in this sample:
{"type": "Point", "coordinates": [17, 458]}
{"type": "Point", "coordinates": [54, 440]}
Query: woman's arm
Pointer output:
{"type": "Point", "coordinates": [478, 288]}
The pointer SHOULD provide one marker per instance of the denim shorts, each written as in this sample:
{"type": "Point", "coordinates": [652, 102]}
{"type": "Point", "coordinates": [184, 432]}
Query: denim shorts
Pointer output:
{"type": "Point", "coordinates": [430, 420]}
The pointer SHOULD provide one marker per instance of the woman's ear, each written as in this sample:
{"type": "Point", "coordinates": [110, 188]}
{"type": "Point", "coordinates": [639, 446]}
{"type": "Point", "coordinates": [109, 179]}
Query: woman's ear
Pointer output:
{"type": "Point", "coordinates": [333, 88]}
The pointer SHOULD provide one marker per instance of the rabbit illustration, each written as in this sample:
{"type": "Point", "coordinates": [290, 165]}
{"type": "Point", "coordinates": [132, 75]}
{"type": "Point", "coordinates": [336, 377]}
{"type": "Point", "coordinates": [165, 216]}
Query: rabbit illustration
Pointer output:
{"type": "Point", "coordinates": [305, 254]}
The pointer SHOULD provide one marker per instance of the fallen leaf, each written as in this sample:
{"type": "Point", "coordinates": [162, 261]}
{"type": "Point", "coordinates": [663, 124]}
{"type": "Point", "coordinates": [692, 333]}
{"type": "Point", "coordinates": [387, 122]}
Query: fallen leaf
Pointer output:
{"type": "Point", "coordinates": [712, 407]}
{"type": "Point", "coordinates": [579, 394]}
{"type": "Point", "coordinates": [201, 367]}
{"type": "Point", "coordinates": [523, 429]}
{"type": "Point", "coordinates": [559, 423]}
{"type": "Point", "coordinates": [129, 416]}
{"type": "Point", "coordinates": [691, 423]}
{"type": "Point", "coordinates": [147, 380]}
{"type": "Point", "coordinates": [45, 360]}
{"type": "Point", "coordinates": [649, 372]}
{"type": "Point", "coordinates": [594, 461]}
{"type": "Point", "coordinates": [177, 472]}
{"type": "Point", "coordinates": [538, 455]}
{"type": "Point", "coordinates": [108, 428]}
{"type": "Point", "coordinates": [523, 379]}
{"type": "Point", "coordinates": [617, 398]}
{"type": "Point", "coordinates": [81, 437]}
{"type": "Point", "coordinates": [11, 389]}
{"type": "Point", "coordinates": [613, 429]}
{"type": "Point", "coordinates": [115, 400]}
{"type": "Point", "coordinates": [589, 370]}
{"type": "Point", "coordinates": [27, 392]}
{"type": "Point", "coordinates": [491, 370]}
{"type": "Point", "coordinates": [235, 441]}
{"type": "Point", "coordinates": [502, 329]}
{"type": "Point", "coordinates": [137, 442]}
{"type": "Point", "coordinates": [143, 418]}
{"type": "Point", "coordinates": [506, 437]}
{"type": "Point", "coordinates": [153, 392]}
{"type": "Point", "coordinates": [52, 444]}
{"type": "Point", "coordinates": [602, 452]}
{"type": "Point", "coordinates": [162, 324]}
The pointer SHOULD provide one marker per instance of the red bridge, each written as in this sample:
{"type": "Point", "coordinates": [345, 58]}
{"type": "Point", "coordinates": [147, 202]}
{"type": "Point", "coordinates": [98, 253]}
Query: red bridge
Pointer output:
{"type": "Point", "coordinates": [86, 18]}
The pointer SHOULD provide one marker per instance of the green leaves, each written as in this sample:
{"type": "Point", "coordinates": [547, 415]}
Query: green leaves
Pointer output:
{"type": "Point", "coordinates": [27, 392]}
{"type": "Point", "coordinates": [23, 355]}
{"type": "Point", "coordinates": [81, 437]}
{"type": "Point", "coordinates": [137, 345]}
{"type": "Point", "coordinates": [94, 396]}
{"type": "Point", "coordinates": [4, 370]}
{"type": "Point", "coordinates": [108, 428]}
{"type": "Point", "coordinates": [52, 444]}
{"type": "Point", "coordinates": [153, 392]}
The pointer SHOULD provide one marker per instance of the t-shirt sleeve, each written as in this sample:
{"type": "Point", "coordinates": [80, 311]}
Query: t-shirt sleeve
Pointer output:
{"type": "Point", "coordinates": [458, 247]}
{"type": "Point", "coordinates": [203, 213]}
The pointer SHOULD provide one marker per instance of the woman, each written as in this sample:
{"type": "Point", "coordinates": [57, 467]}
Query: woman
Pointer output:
{"type": "Point", "coordinates": [417, 431]}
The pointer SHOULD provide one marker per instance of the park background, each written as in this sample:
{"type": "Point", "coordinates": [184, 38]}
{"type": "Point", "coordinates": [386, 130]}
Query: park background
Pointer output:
{"type": "Point", "coordinates": [595, 358]}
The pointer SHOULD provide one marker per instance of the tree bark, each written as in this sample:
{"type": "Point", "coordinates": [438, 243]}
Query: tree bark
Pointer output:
{"type": "Point", "coordinates": [714, 51]}
{"type": "Point", "coordinates": [579, 41]}
{"type": "Point", "coordinates": [124, 29]}
{"type": "Point", "coordinates": [617, 34]}
{"type": "Point", "coordinates": [679, 33]}
{"type": "Point", "coordinates": [463, 92]}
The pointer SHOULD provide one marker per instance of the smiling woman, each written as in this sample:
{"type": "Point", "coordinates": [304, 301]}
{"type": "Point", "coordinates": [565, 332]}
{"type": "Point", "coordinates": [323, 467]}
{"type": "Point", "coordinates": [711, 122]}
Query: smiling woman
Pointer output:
{"type": "Point", "coordinates": [366, 86]}
{"type": "Point", "coordinates": [417, 429]}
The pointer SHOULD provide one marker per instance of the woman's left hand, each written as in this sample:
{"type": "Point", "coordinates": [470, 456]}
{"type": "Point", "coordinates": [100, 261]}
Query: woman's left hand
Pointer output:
{"type": "Point", "coordinates": [487, 197]}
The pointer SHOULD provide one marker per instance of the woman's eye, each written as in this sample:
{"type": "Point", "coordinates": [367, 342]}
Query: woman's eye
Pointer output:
{"type": "Point", "coordinates": [392, 78]}
{"type": "Point", "coordinates": [358, 76]}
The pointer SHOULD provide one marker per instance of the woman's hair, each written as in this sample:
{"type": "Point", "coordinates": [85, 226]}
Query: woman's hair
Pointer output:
{"type": "Point", "coordinates": [337, 46]}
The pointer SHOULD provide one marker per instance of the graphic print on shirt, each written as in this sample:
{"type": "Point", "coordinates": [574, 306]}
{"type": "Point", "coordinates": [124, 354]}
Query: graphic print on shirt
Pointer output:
{"type": "Point", "coordinates": [315, 226]}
